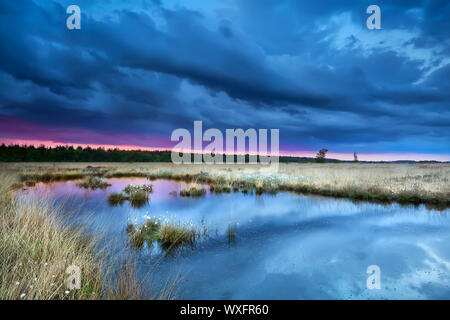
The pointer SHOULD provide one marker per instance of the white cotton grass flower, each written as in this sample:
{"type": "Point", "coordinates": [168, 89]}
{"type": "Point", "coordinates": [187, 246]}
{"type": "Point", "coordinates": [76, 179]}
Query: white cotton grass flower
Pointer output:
{"type": "Point", "coordinates": [66, 292]}
{"type": "Point", "coordinates": [22, 295]}
{"type": "Point", "coordinates": [17, 283]}
{"type": "Point", "coordinates": [52, 284]}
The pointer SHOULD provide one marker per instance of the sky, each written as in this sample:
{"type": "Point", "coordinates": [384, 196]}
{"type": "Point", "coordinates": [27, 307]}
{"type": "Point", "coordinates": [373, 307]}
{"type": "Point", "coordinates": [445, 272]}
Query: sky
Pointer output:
{"type": "Point", "coordinates": [138, 70]}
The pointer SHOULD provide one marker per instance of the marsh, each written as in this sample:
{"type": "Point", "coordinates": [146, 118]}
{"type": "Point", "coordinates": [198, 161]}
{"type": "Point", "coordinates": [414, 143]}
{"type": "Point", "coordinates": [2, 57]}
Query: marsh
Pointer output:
{"type": "Point", "coordinates": [283, 246]}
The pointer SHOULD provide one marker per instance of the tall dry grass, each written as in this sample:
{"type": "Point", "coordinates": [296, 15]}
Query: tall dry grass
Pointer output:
{"type": "Point", "coordinates": [37, 245]}
{"type": "Point", "coordinates": [36, 248]}
{"type": "Point", "coordinates": [409, 183]}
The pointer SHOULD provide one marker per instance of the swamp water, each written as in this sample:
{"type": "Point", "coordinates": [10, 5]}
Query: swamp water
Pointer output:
{"type": "Point", "coordinates": [283, 246]}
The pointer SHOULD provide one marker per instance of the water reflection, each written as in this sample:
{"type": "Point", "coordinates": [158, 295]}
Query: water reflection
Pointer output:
{"type": "Point", "coordinates": [284, 246]}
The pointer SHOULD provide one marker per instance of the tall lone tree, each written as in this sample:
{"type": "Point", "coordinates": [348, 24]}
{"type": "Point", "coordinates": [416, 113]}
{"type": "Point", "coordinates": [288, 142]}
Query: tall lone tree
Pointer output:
{"type": "Point", "coordinates": [320, 157]}
{"type": "Point", "coordinates": [355, 156]}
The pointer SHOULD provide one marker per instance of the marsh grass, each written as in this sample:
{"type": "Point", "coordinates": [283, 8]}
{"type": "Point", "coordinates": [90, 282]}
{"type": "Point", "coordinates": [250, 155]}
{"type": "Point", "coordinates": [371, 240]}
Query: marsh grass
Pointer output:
{"type": "Point", "coordinates": [138, 195]}
{"type": "Point", "coordinates": [220, 187]}
{"type": "Point", "coordinates": [36, 247]}
{"type": "Point", "coordinates": [128, 285]}
{"type": "Point", "coordinates": [168, 234]}
{"type": "Point", "coordinates": [131, 188]}
{"type": "Point", "coordinates": [416, 183]}
{"type": "Point", "coordinates": [94, 183]}
{"type": "Point", "coordinates": [38, 244]}
{"type": "Point", "coordinates": [116, 198]}
{"type": "Point", "coordinates": [193, 191]}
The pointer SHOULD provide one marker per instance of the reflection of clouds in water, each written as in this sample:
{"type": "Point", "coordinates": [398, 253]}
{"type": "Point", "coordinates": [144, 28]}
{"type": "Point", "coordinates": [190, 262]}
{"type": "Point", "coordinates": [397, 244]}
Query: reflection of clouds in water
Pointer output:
{"type": "Point", "coordinates": [427, 278]}
{"type": "Point", "coordinates": [246, 209]}
{"type": "Point", "coordinates": [291, 246]}
{"type": "Point", "coordinates": [335, 265]}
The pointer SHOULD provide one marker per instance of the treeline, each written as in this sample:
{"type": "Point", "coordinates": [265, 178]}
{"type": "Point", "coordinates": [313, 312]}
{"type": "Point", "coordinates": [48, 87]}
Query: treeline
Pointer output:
{"type": "Point", "coordinates": [16, 153]}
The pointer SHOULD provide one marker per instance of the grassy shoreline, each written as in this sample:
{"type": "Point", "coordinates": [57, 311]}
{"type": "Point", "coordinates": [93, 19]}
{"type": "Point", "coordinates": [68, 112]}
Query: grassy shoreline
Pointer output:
{"type": "Point", "coordinates": [37, 246]}
{"type": "Point", "coordinates": [381, 183]}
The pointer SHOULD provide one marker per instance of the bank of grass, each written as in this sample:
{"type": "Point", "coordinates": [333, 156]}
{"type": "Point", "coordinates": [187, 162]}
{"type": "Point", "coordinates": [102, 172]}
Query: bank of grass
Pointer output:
{"type": "Point", "coordinates": [36, 248]}
{"type": "Point", "coordinates": [168, 234]}
{"type": "Point", "coordinates": [94, 183]}
{"type": "Point", "coordinates": [37, 245]}
{"type": "Point", "coordinates": [138, 195]}
{"type": "Point", "coordinates": [418, 183]}
{"type": "Point", "coordinates": [193, 192]}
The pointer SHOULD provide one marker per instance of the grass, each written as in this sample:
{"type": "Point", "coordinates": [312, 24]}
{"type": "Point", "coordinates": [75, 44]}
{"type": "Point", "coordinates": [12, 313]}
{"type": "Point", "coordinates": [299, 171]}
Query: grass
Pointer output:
{"type": "Point", "coordinates": [36, 249]}
{"type": "Point", "coordinates": [131, 188]}
{"type": "Point", "coordinates": [94, 183]}
{"type": "Point", "coordinates": [37, 245]}
{"type": "Point", "coordinates": [138, 195]}
{"type": "Point", "coordinates": [221, 187]}
{"type": "Point", "coordinates": [138, 198]}
{"type": "Point", "coordinates": [116, 198]}
{"type": "Point", "coordinates": [417, 183]}
{"type": "Point", "coordinates": [168, 234]}
{"type": "Point", "coordinates": [193, 191]}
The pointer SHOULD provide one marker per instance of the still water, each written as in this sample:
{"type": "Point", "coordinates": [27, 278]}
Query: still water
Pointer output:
{"type": "Point", "coordinates": [287, 246]}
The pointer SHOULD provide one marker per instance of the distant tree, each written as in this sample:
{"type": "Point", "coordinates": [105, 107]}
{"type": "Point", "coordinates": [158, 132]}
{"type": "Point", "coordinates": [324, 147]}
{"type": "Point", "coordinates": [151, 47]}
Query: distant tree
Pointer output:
{"type": "Point", "coordinates": [321, 155]}
{"type": "Point", "coordinates": [355, 156]}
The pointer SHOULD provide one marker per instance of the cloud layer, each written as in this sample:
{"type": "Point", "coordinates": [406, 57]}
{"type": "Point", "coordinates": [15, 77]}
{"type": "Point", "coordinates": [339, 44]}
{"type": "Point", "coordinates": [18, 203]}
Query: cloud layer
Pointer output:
{"type": "Point", "coordinates": [311, 69]}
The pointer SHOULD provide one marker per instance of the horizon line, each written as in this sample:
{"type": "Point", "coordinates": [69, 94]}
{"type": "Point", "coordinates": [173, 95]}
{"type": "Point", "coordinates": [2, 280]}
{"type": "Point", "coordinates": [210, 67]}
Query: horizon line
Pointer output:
{"type": "Point", "coordinates": [379, 157]}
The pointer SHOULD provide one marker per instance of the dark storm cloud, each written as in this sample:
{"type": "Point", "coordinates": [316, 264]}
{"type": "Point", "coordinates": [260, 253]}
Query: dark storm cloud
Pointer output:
{"type": "Point", "coordinates": [309, 68]}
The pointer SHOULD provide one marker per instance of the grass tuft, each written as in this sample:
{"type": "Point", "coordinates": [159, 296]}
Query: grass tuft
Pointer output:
{"type": "Point", "coordinates": [168, 234]}
{"type": "Point", "coordinates": [94, 183]}
{"type": "Point", "coordinates": [193, 192]}
{"type": "Point", "coordinates": [115, 198]}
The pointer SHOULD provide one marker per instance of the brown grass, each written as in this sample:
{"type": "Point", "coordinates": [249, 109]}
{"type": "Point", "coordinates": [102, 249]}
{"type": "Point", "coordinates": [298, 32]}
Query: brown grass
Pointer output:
{"type": "Point", "coordinates": [37, 245]}
{"type": "Point", "coordinates": [383, 182]}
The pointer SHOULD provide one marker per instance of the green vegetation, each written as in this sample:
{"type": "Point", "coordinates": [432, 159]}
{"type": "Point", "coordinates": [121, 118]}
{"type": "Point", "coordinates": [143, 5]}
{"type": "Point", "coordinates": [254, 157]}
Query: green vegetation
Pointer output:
{"type": "Point", "coordinates": [130, 189]}
{"type": "Point", "coordinates": [115, 198]}
{"type": "Point", "coordinates": [94, 183]}
{"type": "Point", "coordinates": [321, 156]}
{"type": "Point", "coordinates": [193, 192]}
{"type": "Point", "coordinates": [138, 199]}
{"type": "Point", "coordinates": [16, 153]}
{"type": "Point", "coordinates": [138, 195]}
{"type": "Point", "coordinates": [32, 178]}
{"type": "Point", "coordinates": [167, 234]}
{"type": "Point", "coordinates": [418, 183]}
{"type": "Point", "coordinates": [220, 187]}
